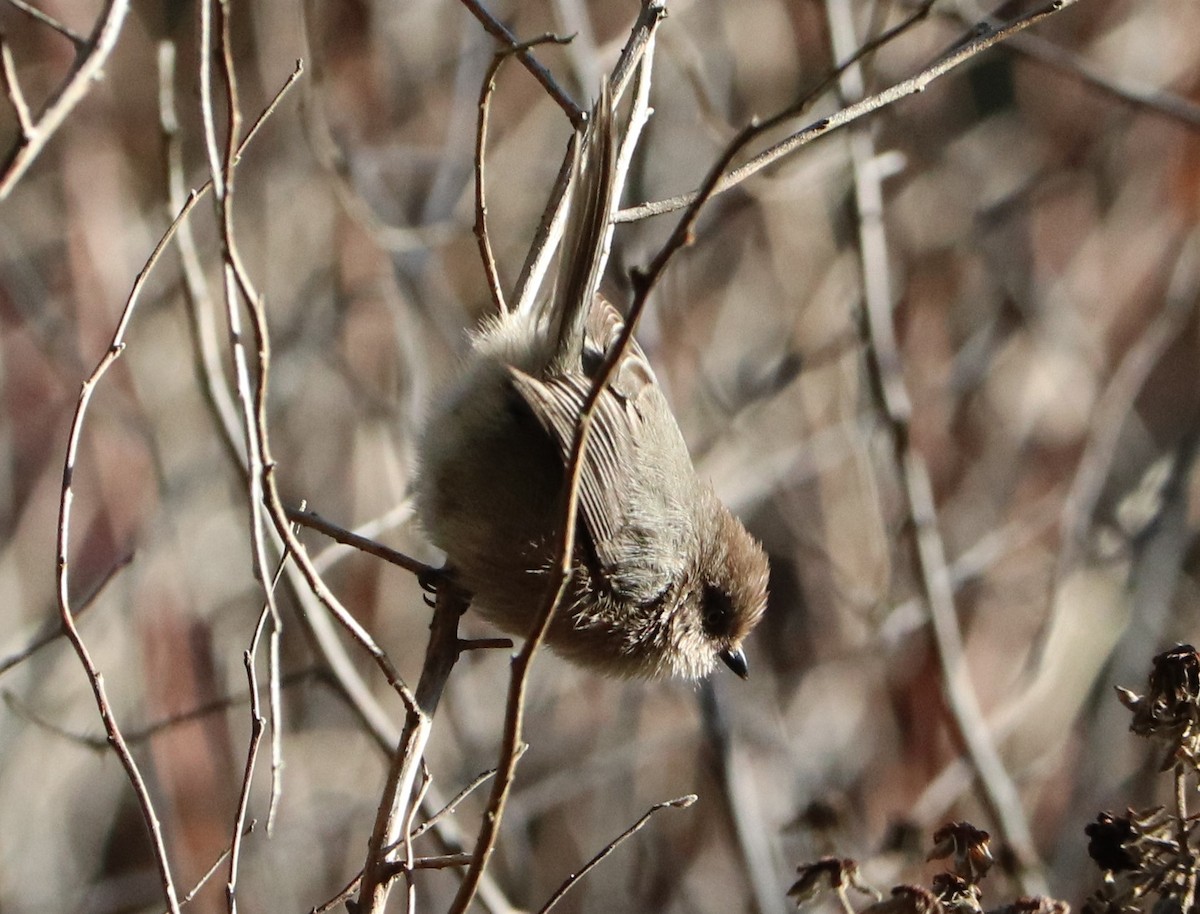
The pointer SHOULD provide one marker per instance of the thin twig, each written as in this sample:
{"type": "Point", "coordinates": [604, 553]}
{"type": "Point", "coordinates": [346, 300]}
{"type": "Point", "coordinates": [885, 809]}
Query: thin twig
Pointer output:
{"type": "Point", "coordinates": [454, 802]}
{"type": "Point", "coordinates": [911, 86]}
{"type": "Point", "coordinates": [13, 87]}
{"type": "Point", "coordinates": [679, 803]}
{"type": "Point", "coordinates": [261, 467]}
{"type": "Point", "coordinates": [482, 237]}
{"type": "Point", "coordinates": [257, 725]}
{"type": "Point", "coordinates": [370, 531]}
{"type": "Point", "coordinates": [406, 839]}
{"type": "Point", "coordinates": [341, 896]}
{"type": "Point", "coordinates": [53, 629]}
{"type": "Point", "coordinates": [198, 301]}
{"type": "Point", "coordinates": [115, 349]}
{"type": "Point", "coordinates": [257, 123]}
{"type": "Point", "coordinates": [1047, 53]}
{"type": "Point", "coordinates": [237, 282]}
{"type": "Point", "coordinates": [89, 63]}
{"type": "Point", "coordinates": [139, 735]}
{"type": "Point", "coordinates": [364, 544]}
{"type": "Point", "coordinates": [200, 883]}
{"type": "Point", "coordinates": [439, 862]}
{"type": "Point", "coordinates": [33, 12]}
{"type": "Point", "coordinates": [495, 28]}
{"type": "Point", "coordinates": [484, 644]}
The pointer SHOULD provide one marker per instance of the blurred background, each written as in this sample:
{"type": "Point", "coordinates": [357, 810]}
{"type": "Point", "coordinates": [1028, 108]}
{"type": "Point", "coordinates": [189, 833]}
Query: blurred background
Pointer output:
{"type": "Point", "coordinates": [1033, 236]}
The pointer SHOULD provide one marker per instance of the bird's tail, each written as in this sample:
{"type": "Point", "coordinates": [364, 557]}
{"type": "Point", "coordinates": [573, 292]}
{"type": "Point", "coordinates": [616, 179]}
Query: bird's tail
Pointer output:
{"type": "Point", "coordinates": [583, 245]}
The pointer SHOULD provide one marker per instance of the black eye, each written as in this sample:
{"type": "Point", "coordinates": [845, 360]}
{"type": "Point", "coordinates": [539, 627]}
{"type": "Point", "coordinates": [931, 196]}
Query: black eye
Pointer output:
{"type": "Point", "coordinates": [717, 611]}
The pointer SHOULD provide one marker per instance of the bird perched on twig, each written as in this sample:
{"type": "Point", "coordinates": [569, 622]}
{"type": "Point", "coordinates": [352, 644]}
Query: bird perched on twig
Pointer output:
{"type": "Point", "coordinates": [665, 581]}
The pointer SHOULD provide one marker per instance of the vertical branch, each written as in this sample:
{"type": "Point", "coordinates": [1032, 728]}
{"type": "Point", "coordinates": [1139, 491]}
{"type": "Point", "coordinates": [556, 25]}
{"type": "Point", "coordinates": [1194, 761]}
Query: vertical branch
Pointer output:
{"type": "Point", "coordinates": [999, 792]}
{"type": "Point", "coordinates": [237, 284]}
{"type": "Point", "coordinates": [440, 657]}
{"type": "Point", "coordinates": [257, 724]}
{"type": "Point", "coordinates": [206, 348]}
{"type": "Point", "coordinates": [62, 570]}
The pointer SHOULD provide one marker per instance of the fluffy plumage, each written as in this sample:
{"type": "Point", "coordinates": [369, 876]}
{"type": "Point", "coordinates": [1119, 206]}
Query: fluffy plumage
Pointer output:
{"type": "Point", "coordinates": [665, 580]}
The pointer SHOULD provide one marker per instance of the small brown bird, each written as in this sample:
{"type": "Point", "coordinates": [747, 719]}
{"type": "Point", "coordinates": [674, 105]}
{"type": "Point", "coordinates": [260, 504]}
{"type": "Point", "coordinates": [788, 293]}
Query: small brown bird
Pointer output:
{"type": "Point", "coordinates": [664, 580]}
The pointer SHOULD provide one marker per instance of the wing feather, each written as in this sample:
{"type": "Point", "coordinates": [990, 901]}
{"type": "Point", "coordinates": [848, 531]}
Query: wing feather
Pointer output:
{"type": "Point", "coordinates": [610, 456]}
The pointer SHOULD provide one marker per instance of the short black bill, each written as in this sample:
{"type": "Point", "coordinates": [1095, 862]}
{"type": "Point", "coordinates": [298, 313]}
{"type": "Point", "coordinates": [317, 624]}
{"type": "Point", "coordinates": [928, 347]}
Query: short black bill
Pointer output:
{"type": "Point", "coordinates": [736, 661]}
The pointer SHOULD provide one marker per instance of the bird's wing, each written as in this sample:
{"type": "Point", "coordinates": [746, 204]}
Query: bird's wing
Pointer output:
{"type": "Point", "coordinates": [609, 460]}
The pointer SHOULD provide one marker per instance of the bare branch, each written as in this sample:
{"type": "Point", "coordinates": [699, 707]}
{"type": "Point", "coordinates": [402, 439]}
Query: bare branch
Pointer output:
{"type": "Point", "coordinates": [89, 62]}
{"type": "Point", "coordinates": [485, 98]}
{"type": "Point", "coordinates": [66, 500]}
{"type": "Point", "coordinates": [549, 230]}
{"type": "Point", "coordinates": [53, 630]}
{"type": "Point", "coordinates": [911, 86]}
{"type": "Point", "coordinates": [136, 735]}
{"type": "Point", "coordinates": [496, 28]}
{"type": "Point", "coordinates": [13, 87]}
{"type": "Point", "coordinates": [679, 803]}
{"type": "Point", "coordinates": [46, 19]}
{"type": "Point", "coordinates": [257, 725]}
{"type": "Point", "coordinates": [440, 656]}
{"type": "Point", "coordinates": [427, 573]}
{"type": "Point", "coordinates": [208, 874]}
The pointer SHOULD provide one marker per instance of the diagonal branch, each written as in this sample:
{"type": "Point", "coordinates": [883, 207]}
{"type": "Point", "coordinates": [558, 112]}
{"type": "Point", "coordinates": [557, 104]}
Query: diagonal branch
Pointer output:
{"type": "Point", "coordinates": [869, 105]}
{"type": "Point", "coordinates": [497, 29]}
{"type": "Point", "coordinates": [46, 19]}
{"type": "Point", "coordinates": [89, 62]}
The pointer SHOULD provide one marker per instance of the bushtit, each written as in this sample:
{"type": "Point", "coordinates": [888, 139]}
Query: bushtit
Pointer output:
{"type": "Point", "coordinates": [664, 579]}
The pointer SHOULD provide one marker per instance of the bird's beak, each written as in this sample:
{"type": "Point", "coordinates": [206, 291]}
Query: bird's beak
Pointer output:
{"type": "Point", "coordinates": [733, 658]}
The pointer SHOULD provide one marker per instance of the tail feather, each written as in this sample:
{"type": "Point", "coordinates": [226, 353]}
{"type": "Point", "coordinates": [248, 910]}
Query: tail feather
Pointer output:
{"type": "Point", "coordinates": [582, 250]}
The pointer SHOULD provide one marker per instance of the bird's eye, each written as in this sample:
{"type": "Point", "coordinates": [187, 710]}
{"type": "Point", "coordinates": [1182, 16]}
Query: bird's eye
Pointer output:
{"type": "Point", "coordinates": [717, 611]}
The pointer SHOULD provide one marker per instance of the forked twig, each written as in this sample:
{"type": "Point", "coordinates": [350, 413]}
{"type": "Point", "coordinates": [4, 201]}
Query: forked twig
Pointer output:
{"type": "Point", "coordinates": [549, 231]}
{"type": "Point", "coordinates": [90, 58]}
{"type": "Point", "coordinates": [208, 874]}
{"type": "Point", "coordinates": [497, 29]}
{"type": "Point", "coordinates": [911, 86]}
{"type": "Point", "coordinates": [482, 236]}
